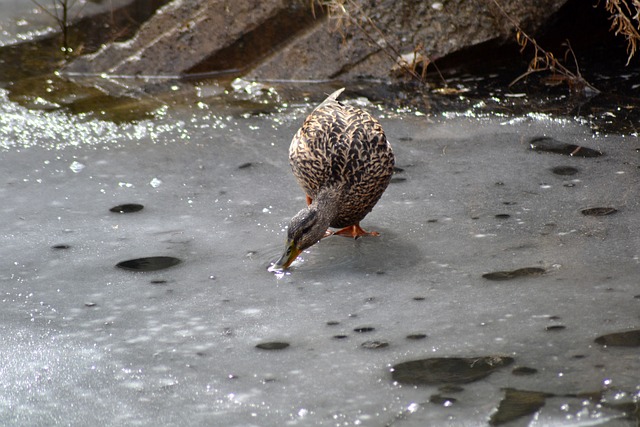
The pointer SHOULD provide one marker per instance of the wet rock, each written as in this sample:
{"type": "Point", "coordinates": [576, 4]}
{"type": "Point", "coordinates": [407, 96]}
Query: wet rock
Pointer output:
{"type": "Point", "coordinates": [438, 399]}
{"type": "Point", "coordinates": [516, 404]}
{"type": "Point", "coordinates": [598, 211]}
{"type": "Point", "coordinates": [620, 339]}
{"type": "Point", "coordinates": [273, 345]}
{"type": "Point", "coordinates": [448, 370]}
{"type": "Point", "coordinates": [514, 274]}
{"type": "Point", "coordinates": [127, 208]}
{"type": "Point", "coordinates": [550, 145]}
{"type": "Point", "coordinates": [374, 345]}
{"type": "Point", "coordinates": [149, 263]}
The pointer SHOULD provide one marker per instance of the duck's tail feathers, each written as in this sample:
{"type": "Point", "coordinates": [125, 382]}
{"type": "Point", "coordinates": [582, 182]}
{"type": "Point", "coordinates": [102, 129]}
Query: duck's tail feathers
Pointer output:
{"type": "Point", "coordinates": [331, 98]}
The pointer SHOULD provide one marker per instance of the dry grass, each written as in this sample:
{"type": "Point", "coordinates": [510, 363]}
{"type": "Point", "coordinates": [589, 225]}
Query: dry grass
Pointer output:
{"type": "Point", "coordinates": [625, 21]}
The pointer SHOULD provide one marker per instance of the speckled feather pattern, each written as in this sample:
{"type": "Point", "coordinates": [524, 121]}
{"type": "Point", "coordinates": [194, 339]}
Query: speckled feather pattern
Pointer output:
{"type": "Point", "coordinates": [343, 148]}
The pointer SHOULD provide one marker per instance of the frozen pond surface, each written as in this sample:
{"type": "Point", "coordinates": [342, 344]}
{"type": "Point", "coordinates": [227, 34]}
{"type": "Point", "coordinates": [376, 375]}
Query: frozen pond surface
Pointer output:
{"type": "Point", "coordinates": [86, 343]}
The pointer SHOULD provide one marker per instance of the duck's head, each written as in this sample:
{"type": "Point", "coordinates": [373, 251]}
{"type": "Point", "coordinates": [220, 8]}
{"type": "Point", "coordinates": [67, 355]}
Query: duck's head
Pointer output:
{"type": "Point", "coordinates": [305, 229]}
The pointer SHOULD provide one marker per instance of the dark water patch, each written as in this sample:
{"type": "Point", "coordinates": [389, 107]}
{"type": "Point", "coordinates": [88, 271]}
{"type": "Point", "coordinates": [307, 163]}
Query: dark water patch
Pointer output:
{"type": "Point", "coordinates": [158, 282]}
{"type": "Point", "coordinates": [524, 371]}
{"type": "Point", "coordinates": [438, 399]}
{"type": "Point", "coordinates": [245, 165]}
{"type": "Point", "coordinates": [149, 263]}
{"type": "Point", "coordinates": [564, 170]}
{"type": "Point", "coordinates": [332, 323]}
{"type": "Point", "coordinates": [637, 296]}
{"type": "Point", "coordinates": [364, 329]}
{"type": "Point", "coordinates": [555, 328]}
{"type": "Point", "coordinates": [601, 211]}
{"type": "Point", "coordinates": [340, 337]}
{"type": "Point", "coordinates": [517, 404]}
{"type": "Point", "coordinates": [127, 208]}
{"type": "Point", "coordinates": [419, 298]}
{"type": "Point", "coordinates": [415, 337]}
{"type": "Point", "coordinates": [273, 345]}
{"type": "Point", "coordinates": [507, 203]}
{"type": "Point", "coordinates": [514, 274]}
{"type": "Point", "coordinates": [503, 216]}
{"type": "Point", "coordinates": [620, 339]}
{"type": "Point", "coordinates": [432, 221]}
{"type": "Point", "coordinates": [374, 345]}
{"type": "Point", "coordinates": [578, 356]}
{"type": "Point", "coordinates": [61, 246]}
{"type": "Point", "coordinates": [550, 145]}
{"type": "Point", "coordinates": [443, 370]}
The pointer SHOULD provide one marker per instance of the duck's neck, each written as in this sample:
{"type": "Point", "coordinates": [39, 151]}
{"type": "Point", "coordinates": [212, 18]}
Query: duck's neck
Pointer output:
{"type": "Point", "coordinates": [327, 205]}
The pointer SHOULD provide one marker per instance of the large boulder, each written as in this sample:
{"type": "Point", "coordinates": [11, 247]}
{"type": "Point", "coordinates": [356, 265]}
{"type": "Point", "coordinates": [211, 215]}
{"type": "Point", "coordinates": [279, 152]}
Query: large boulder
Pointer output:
{"type": "Point", "coordinates": [344, 39]}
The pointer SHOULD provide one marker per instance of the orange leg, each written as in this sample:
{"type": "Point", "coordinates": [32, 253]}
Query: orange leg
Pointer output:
{"type": "Point", "coordinates": [309, 199]}
{"type": "Point", "coordinates": [355, 231]}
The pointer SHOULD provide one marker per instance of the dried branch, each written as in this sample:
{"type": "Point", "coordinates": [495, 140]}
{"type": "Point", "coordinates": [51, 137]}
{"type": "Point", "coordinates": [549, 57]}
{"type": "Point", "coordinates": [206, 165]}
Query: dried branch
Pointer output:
{"type": "Point", "coordinates": [625, 20]}
{"type": "Point", "coordinates": [544, 60]}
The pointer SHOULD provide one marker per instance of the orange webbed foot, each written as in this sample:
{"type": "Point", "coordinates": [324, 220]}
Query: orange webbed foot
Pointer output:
{"type": "Point", "coordinates": [355, 231]}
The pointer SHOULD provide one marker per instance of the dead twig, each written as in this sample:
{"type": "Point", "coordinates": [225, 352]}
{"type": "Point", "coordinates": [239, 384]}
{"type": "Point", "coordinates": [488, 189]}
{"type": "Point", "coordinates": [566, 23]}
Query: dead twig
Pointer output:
{"type": "Point", "coordinates": [546, 61]}
{"type": "Point", "coordinates": [623, 15]}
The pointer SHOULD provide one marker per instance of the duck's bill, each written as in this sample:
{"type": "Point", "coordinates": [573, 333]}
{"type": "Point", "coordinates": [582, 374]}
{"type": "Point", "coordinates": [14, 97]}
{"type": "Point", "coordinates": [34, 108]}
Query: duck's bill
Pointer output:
{"type": "Point", "coordinates": [291, 252]}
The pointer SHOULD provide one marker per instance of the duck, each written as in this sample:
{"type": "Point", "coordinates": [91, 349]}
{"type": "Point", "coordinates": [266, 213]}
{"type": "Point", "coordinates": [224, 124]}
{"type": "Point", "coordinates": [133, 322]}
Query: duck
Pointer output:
{"type": "Point", "coordinates": [343, 161]}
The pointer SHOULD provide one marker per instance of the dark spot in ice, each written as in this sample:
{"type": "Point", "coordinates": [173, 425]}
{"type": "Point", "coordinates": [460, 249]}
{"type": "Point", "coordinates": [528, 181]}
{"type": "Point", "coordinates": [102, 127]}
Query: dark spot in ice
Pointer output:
{"type": "Point", "coordinates": [90, 304]}
{"type": "Point", "coordinates": [405, 138]}
{"type": "Point", "coordinates": [273, 345]}
{"type": "Point", "coordinates": [620, 339]}
{"type": "Point", "coordinates": [332, 323]}
{"type": "Point", "coordinates": [152, 263]}
{"type": "Point", "coordinates": [568, 184]}
{"type": "Point", "coordinates": [127, 208]}
{"type": "Point", "coordinates": [419, 298]}
{"type": "Point", "coordinates": [636, 296]}
{"type": "Point", "coordinates": [564, 170]}
{"type": "Point", "coordinates": [438, 399]}
{"type": "Point", "coordinates": [509, 275]}
{"type": "Point", "coordinates": [555, 327]}
{"type": "Point", "coordinates": [396, 180]}
{"type": "Point", "coordinates": [555, 317]}
{"type": "Point", "coordinates": [475, 217]}
{"type": "Point", "coordinates": [416, 336]}
{"type": "Point", "coordinates": [452, 370]}
{"type": "Point", "coordinates": [432, 221]}
{"type": "Point", "coordinates": [374, 345]}
{"type": "Point", "coordinates": [60, 246]}
{"type": "Point", "coordinates": [380, 272]}
{"type": "Point", "coordinates": [598, 211]}
{"type": "Point", "coordinates": [524, 370]}
{"type": "Point", "coordinates": [578, 356]}
{"type": "Point", "coordinates": [363, 329]}
{"type": "Point", "coordinates": [396, 169]}
{"type": "Point", "coordinates": [516, 404]}
{"type": "Point", "coordinates": [245, 165]}
{"type": "Point", "coordinates": [499, 183]}
{"type": "Point", "coordinates": [158, 282]}
{"type": "Point", "coordinates": [370, 299]}
{"type": "Point", "coordinates": [549, 145]}
{"type": "Point", "coordinates": [340, 337]}
{"type": "Point", "coordinates": [503, 216]}
{"type": "Point", "coordinates": [509, 203]}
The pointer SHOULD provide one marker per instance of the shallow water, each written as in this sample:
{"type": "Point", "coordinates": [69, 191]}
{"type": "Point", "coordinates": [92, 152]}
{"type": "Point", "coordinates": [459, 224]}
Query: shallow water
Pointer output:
{"type": "Point", "coordinates": [218, 340]}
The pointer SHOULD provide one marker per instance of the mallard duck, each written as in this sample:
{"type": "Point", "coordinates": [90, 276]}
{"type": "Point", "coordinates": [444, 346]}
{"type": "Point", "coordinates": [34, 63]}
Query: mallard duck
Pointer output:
{"type": "Point", "coordinates": [342, 160]}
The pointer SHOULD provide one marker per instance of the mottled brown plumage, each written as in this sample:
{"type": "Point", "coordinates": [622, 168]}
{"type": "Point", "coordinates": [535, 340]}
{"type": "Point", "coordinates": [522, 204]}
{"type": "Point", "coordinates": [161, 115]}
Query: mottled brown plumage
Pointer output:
{"type": "Point", "coordinates": [342, 160]}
